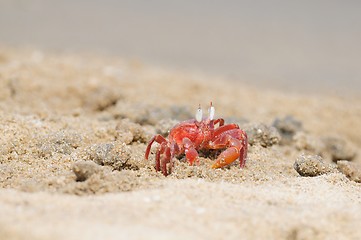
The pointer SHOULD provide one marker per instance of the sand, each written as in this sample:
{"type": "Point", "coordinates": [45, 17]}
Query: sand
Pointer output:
{"type": "Point", "coordinates": [74, 129]}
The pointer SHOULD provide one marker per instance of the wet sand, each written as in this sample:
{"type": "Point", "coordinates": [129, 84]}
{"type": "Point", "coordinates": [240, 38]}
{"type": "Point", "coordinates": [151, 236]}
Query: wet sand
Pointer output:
{"type": "Point", "coordinates": [75, 128]}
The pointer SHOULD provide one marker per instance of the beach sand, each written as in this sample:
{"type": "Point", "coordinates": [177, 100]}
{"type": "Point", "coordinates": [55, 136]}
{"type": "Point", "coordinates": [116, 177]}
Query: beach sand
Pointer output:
{"type": "Point", "coordinates": [74, 129]}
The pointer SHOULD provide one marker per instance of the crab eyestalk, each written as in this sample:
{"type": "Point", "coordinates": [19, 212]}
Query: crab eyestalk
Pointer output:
{"type": "Point", "coordinates": [199, 114]}
{"type": "Point", "coordinates": [211, 112]}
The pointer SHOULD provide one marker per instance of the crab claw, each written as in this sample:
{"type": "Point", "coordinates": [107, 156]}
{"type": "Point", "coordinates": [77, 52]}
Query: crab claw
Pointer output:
{"type": "Point", "coordinates": [228, 156]}
{"type": "Point", "coordinates": [235, 149]}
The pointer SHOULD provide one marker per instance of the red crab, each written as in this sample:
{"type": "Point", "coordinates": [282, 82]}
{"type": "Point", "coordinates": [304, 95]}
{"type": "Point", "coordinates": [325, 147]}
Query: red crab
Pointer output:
{"type": "Point", "coordinates": [195, 134]}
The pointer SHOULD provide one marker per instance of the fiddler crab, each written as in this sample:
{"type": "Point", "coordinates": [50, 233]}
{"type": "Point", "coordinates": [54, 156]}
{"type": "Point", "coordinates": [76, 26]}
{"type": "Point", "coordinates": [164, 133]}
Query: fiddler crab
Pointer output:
{"type": "Point", "coordinates": [200, 133]}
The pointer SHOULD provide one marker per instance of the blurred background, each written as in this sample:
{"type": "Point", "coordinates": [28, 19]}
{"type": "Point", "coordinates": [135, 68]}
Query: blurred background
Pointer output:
{"type": "Point", "coordinates": [307, 46]}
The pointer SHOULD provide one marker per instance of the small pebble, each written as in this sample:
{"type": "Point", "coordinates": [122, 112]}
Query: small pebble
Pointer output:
{"type": "Point", "coordinates": [350, 169]}
{"type": "Point", "coordinates": [61, 142]}
{"type": "Point", "coordinates": [262, 134]}
{"type": "Point", "coordinates": [110, 154]}
{"type": "Point", "coordinates": [309, 143]}
{"type": "Point", "coordinates": [129, 132]}
{"type": "Point", "coordinates": [84, 169]}
{"type": "Point", "coordinates": [287, 127]}
{"type": "Point", "coordinates": [102, 98]}
{"type": "Point", "coordinates": [311, 166]}
{"type": "Point", "coordinates": [339, 149]}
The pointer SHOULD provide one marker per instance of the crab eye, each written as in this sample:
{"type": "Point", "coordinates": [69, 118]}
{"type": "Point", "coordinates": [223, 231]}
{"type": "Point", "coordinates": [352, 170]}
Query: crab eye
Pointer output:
{"type": "Point", "coordinates": [199, 114]}
{"type": "Point", "coordinates": [211, 111]}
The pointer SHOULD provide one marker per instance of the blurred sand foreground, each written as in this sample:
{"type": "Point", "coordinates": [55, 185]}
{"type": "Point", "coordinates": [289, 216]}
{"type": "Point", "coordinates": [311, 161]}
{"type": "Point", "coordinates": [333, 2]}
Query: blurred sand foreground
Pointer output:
{"type": "Point", "coordinates": [73, 134]}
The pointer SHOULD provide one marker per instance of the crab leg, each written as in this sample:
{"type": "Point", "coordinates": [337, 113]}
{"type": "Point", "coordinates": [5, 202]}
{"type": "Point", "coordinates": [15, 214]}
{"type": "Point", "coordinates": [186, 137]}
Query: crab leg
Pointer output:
{"type": "Point", "coordinates": [157, 160]}
{"type": "Point", "coordinates": [159, 154]}
{"type": "Point", "coordinates": [190, 151]}
{"type": "Point", "coordinates": [165, 153]}
{"type": "Point", "coordinates": [243, 151]}
{"type": "Point", "coordinates": [220, 121]}
{"type": "Point", "coordinates": [162, 156]}
{"type": "Point", "coordinates": [226, 128]}
{"type": "Point", "coordinates": [157, 138]}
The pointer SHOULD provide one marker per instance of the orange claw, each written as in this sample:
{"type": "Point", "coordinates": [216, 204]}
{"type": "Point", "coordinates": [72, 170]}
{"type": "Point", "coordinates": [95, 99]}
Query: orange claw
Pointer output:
{"type": "Point", "coordinates": [228, 156]}
{"type": "Point", "coordinates": [236, 149]}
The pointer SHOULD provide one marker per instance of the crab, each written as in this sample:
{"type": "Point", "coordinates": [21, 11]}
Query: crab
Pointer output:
{"type": "Point", "coordinates": [190, 136]}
